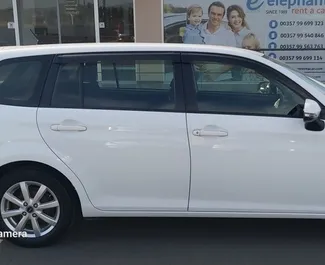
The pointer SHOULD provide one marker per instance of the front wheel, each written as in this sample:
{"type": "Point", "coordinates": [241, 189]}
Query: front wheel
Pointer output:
{"type": "Point", "coordinates": [35, 208]}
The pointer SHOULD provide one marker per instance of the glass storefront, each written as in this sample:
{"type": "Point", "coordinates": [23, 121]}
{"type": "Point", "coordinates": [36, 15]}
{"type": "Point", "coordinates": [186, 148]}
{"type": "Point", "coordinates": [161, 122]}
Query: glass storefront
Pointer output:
{"type": "Point", "coordinates": [7, 26]}
{"type": "Point", "coordinates": [37, 22]}
{"type": "Point", "coordinates": [116, 20]}
{"type": "Point", "coordinates": [77, 22]}
{"type": "Point", "coordinates": [65, 21]}
{"type": "Point", "coordinates": [56, 21]}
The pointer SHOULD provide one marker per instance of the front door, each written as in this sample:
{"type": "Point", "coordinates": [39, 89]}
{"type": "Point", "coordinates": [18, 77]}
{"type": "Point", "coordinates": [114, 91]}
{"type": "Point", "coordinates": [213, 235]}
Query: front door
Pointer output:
{"type": "Point", "coordinates": [118, 122]}
{"type": "Point", "coordinates": [249, 148]}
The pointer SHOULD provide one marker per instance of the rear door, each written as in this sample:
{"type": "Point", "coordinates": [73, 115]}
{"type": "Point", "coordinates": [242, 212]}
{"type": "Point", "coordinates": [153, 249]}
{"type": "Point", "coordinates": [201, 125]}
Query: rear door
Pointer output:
{"type": "Point", "coordinates": [117, 120]}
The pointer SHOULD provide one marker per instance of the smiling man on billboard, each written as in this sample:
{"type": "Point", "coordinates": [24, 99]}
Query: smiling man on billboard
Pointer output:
{"type": "Point", "coordinates": [213, 32]}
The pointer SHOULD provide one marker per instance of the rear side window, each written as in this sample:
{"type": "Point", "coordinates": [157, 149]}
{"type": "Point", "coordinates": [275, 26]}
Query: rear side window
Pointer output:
{"type": "Point", "coordinates": [66, 92]}
{"type": "Point", "coordinates": [134, 85]}
{"type": "Point", "coordinates": [21, 80]}
{"type": "Point", "coordinates": [117, 82]}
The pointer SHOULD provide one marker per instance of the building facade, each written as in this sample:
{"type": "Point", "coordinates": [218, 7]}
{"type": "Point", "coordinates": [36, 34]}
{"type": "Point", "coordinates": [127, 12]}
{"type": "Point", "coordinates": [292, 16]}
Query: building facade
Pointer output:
{"type": "Point", "coordinates": [28, 22]}
{"type": "Point", "coordinates": [292, 31]}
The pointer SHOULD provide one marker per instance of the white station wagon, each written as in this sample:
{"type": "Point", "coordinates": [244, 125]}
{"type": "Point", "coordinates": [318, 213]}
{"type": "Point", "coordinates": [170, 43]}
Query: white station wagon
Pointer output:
{"type": "Point", "coordinates": [102, 130]}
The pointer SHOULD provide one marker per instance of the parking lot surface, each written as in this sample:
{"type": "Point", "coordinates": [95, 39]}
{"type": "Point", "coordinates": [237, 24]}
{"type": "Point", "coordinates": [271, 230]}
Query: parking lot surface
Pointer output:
{"type": "Point", "coordinates": [180, 241]}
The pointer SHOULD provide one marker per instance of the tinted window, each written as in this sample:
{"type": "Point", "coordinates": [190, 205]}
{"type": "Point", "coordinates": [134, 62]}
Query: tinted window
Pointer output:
{"type": "Point", "coordinates": [237, 88]}
{"type": "Point", "coordinates": [21, 80]}
{"type": "Point", "coordinates": [66, 92]}
{"type": "Point", "coordinates": [116, 83]}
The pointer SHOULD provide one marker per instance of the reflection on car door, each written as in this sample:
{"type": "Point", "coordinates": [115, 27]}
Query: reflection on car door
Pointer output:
{"type": "Point", "coordinates": [248, 154]}
{"type": "Point", "coordinates": [118, 122]}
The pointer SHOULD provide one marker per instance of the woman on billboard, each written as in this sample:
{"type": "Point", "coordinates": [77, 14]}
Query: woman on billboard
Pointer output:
{"type": "Point", "coordinates": [237, 23]}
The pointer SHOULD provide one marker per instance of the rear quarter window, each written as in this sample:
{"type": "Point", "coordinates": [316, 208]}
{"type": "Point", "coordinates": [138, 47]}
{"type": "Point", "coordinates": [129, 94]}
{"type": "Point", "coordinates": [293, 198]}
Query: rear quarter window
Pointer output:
{"type": "Point", "coordinates": [22, 80]}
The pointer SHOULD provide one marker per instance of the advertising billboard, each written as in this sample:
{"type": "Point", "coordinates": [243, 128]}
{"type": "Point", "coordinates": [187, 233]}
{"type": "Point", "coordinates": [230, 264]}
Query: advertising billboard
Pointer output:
{"type": "Point", "coordinates": [292, 31]}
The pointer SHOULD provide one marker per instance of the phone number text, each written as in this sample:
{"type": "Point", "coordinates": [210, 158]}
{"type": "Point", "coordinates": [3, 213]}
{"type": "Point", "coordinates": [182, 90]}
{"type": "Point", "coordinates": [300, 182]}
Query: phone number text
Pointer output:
{"type": "Point", "coordinates": [302, 46]}
{"type": "Point", "coordinates": [302, 35]}
{"type": "Point", "coordinates": [301, 23]}
{"type": "Point", "coordinates": [300, 58]}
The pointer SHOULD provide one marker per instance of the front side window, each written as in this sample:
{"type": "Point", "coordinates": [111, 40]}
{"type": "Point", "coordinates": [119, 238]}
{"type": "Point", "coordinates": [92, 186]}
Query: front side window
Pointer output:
{"type": "Point", "coordinates": [234, 87]}
{"type": "Point", "coordinates": [116, 82]}
{"type": "Point", "coordinates": [315, 83]}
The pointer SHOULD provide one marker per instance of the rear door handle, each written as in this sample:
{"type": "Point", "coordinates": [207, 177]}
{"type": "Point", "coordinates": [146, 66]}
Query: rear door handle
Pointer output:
{"type": "Point", "coordinates": [217, 133]}
{"type": "Point", "coordinates": [68, 128]}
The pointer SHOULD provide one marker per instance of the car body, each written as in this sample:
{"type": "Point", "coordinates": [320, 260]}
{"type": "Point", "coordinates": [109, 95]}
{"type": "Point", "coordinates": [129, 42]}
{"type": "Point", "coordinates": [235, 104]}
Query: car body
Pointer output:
{"type": "Point", "coordinates": [154, 130]}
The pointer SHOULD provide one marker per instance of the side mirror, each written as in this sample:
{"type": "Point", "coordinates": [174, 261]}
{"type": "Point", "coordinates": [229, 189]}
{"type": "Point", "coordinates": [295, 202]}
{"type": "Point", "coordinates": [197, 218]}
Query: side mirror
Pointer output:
{"type": "Point", "coordinates": [311, 110]}
{"type": "Point", "coordinates": [312, 119]}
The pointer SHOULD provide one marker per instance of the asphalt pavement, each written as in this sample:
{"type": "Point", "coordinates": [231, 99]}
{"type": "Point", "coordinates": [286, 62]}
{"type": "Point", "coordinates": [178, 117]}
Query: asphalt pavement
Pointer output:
{"type": "Point", "coordinates": [180, 241]}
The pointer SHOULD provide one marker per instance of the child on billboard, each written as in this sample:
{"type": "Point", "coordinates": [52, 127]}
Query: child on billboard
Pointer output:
{"type": "Point", "coordinates": [193, 28]}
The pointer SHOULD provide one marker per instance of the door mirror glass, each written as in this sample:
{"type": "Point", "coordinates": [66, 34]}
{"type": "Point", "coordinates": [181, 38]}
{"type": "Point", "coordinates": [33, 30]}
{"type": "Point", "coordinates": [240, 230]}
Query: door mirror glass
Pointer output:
{"type": "Point", "coordinates": [311, 110]}
{"type": "Point", "coordinates": [312, 119]}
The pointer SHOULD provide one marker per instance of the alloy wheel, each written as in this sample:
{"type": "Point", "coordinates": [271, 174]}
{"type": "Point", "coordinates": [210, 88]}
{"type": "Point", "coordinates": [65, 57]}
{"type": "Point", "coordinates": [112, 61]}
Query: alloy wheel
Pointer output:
{"type": "Point", "coordinates": [30, 207]}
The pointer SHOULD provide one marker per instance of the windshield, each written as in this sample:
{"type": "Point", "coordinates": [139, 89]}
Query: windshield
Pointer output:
{"type": "Point", "coordinates": [319, 85]}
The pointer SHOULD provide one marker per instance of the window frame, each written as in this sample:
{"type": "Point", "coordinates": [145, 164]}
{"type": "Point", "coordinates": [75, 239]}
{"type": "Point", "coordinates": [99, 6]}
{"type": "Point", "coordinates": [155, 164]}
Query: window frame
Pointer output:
{"type": "Point", "coordinates": [94, 57]}
{"type": "Point", "coordinates": [34, 101]}
{"type": "Point", "coordinates": [190, 83]}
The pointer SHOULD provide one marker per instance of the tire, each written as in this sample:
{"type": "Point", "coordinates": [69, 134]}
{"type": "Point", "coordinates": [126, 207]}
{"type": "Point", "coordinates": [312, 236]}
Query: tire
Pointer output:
{"type": "Point", "coordinates": [61, 210]}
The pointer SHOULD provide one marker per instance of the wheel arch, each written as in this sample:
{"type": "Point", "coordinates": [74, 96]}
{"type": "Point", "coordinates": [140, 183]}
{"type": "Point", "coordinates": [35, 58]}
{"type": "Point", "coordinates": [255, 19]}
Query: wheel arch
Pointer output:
{"type": "Point", "coordinates": [58, 175]}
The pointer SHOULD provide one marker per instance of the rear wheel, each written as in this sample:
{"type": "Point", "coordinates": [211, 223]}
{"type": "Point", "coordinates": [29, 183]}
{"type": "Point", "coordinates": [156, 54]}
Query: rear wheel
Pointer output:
{"type": "Point", "coordinates": [35, 208]}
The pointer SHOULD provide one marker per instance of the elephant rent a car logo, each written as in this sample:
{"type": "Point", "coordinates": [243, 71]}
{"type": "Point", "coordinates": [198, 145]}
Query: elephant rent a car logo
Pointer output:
{"type": "Point", "coordinates": [255, 5]}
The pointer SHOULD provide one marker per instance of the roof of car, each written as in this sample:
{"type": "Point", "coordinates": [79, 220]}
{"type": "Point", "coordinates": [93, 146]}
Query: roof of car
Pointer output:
{"type": "Point", "coordinates": [30, 50]}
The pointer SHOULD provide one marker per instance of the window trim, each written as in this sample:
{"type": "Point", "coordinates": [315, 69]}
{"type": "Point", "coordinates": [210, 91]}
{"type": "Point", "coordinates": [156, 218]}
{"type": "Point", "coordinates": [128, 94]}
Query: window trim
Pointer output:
{"type": "Point", "coordinates": [49, 86]}
{"type": "Point", "coordinates": [46, 61]}
{"type": "Point", "coordinates": [268, 72]}
{"type": "Point", "coordinates": [100, 56]}
{"type": "Point", "coordinates": [93, 56]}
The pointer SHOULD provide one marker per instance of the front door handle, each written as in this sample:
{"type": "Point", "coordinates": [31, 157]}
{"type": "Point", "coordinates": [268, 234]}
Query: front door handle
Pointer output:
{"type": "Point", "coordinates": [205, 132]}
{"type": "Point", "coordinates": [68, 128]}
